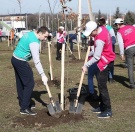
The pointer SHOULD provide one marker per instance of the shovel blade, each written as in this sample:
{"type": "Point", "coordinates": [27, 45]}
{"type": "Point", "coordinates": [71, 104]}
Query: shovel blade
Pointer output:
{"type": "Point", "coordinates": [72, 107]}
{"type": "Point", "coordinates": [58, 108]}
{"type": "Point", "coordinates": [79, 108]}
{"type": "Point", "coordinates": [75, 110]}
{"type": "Point", "coordinates": [51, 109]}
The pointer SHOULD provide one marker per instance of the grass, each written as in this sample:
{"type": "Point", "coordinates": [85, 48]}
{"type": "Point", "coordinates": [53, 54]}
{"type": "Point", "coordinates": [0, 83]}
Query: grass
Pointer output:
{"type": "Point", "coordinates": [122, 98]}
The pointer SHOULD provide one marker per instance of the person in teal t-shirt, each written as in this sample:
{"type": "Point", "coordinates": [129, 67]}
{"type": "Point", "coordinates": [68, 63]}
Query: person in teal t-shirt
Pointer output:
{"type": "Point", "coordinates": [28, 48]}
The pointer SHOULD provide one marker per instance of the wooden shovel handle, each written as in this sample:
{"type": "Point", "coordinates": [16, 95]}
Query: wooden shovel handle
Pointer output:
{"type": "Point", "coordinates": [69, 49]}
{"type": "Point", "coordinates": [82, 76]}
{"type": "Point", "coordinates": [49, 93]}
{"type": "Point", "coordinates": [48, 90]}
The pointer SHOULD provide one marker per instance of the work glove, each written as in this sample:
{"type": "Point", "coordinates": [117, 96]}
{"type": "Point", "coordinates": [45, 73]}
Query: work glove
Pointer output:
{"type": "Point", "coordinates": [45, 80]}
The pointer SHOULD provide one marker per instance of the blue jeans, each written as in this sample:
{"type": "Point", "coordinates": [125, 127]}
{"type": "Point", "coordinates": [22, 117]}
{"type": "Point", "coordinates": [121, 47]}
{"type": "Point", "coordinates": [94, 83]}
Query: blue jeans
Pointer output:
{"type": "Point", "coordinates": [92, 70]}
{"type": "Point", "coordinates": [129, 53]}
{"type": "Point", "coordinates": [111, 72]}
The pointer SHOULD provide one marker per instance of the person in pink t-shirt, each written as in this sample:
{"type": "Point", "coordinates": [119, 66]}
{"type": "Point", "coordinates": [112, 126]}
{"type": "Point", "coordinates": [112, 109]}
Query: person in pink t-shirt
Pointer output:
{"type": "Point", "coordinates": [103, 57]}
{"type": "Point", "coordinates": [61, 34]}
{"type": "Point", "coordinates": [126, 41]}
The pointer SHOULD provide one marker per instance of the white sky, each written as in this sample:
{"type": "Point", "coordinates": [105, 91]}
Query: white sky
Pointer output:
{"type": "Point", "coordinates": [33, 6]}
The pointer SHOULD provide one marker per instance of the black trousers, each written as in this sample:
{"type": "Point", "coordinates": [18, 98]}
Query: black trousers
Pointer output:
{"type": "Point", "coordinates": [24, 82]}
{"type": "Point", "coordinates": [104, 97]}
{"type": "Point", "coordinates": [59, 49]}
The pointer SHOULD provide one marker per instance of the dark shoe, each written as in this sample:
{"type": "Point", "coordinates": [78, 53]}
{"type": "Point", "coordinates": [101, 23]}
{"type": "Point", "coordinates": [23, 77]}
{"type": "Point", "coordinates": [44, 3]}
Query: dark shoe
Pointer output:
{"type": "Point", "coordinates": [105, 115]}
{"type": "Point", "coordinates": [27, 112]}
{"type": "Point", "coordinates": [96, 110]}
{"type": "Point", "coordinates": [132, 86]}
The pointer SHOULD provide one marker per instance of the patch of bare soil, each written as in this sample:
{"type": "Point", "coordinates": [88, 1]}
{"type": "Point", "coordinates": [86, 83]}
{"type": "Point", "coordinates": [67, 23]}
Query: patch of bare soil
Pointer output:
{"type": "Point", "coordinates": [43, 119]}
{"type": "Point", "coordinates": [54, 82]}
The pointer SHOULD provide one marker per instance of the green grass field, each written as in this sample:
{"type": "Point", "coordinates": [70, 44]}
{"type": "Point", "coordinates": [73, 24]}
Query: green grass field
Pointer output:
{"type": "Point", "coordinates": [122, 98]}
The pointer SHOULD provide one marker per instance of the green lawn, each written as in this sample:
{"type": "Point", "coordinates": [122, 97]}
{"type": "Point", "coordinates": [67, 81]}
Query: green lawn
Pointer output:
{"type": "Point", "coordinates": [122, 98]}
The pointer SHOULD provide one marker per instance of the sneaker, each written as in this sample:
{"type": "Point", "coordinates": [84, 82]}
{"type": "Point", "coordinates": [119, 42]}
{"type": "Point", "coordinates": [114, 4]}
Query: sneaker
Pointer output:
{"type": "Point", "coordinates": [96, 110]}
{"type": "Point", "coordinates": [32, 107]}
{"type": "Point", "coordinates": [27, 112]}
{"type": "Point", "coordinates": [132, 86]}
{"type": "Point", "coordinates": [105, 115]}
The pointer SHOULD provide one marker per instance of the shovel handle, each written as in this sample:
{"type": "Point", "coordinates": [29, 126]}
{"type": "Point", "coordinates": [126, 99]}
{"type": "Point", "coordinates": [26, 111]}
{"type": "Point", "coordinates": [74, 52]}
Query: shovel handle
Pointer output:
{"type": "Point", "coordinates": [82, 76]}
{"type": "Point", "coordinates": [49, 93]}
{"type": "Point", "coordinates": [69, 49]}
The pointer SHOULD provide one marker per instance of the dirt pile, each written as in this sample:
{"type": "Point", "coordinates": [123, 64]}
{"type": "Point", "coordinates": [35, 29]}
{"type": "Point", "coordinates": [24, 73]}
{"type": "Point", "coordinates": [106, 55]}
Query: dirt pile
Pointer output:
{"type": "Point", "coordinates": [43, 119]}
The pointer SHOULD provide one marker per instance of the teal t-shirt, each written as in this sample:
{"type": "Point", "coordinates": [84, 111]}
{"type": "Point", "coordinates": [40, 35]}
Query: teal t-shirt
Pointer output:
{"type": "Point", "coordinates": [108, 27]}
{"type": "Point", "coordinates": [22, 50]}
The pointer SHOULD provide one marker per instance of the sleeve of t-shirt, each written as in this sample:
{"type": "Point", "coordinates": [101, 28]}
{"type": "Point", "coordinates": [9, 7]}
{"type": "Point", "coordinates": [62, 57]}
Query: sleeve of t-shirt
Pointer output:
{"type": "Point", "coordinates": [121, 44]}
{"type": "Point", "coordinates": [97, 53]}
{"type": "Point", "coordinates": [112, 32]}
{"type": "Point", "coordinates": [34, 47]}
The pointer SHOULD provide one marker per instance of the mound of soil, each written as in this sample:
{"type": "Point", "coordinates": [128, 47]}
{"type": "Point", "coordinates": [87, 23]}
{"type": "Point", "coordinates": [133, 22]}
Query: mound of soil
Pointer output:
{"type": "Point", "coordinates": [43, 119]}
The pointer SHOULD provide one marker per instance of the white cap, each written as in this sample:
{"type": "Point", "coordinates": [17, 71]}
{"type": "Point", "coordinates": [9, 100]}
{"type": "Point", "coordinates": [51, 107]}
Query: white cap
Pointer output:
{"type": "Point", "coordinates": [134, 25]}
{"type": "Point", "coordinates": [90, 26]}
{"type": "Point", "coordinates": [118, 21]}
{"type": "Point", "coordinates": [61, 27]}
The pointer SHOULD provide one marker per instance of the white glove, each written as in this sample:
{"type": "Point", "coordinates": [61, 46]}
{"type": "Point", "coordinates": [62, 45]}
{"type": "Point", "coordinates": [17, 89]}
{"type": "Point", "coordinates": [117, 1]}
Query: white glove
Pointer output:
{"type": "Point", "coordinates": [44, 79]}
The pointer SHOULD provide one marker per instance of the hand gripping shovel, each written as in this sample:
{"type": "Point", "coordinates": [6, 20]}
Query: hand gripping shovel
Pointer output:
{"type": "Point", "coordinates": [53, 108]}
{"type": "Point", "coordinates": [76, 107]}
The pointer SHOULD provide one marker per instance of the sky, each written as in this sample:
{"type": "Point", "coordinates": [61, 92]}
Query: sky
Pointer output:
{"type": "Point", "coordinates": [35, 6]}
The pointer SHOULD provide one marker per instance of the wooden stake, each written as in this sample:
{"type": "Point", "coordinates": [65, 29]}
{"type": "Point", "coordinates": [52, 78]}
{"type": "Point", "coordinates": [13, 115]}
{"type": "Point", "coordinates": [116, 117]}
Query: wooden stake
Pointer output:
{"type": "Point", "coordinates": [62, 76]}
{"type": "Point", "coordinates": [50, 60]}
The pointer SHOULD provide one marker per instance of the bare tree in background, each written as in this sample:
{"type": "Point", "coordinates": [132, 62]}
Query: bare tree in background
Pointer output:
{"type": "Point", "coordinates": [52, 11]}
{"type": "Point", "coordinates": [20, 7]}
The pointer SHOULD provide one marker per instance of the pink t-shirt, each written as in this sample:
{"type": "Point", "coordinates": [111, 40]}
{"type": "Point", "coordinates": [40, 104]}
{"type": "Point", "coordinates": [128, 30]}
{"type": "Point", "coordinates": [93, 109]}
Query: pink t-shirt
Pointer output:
{"type": "Point", "coordinates": [128, 34]}
{"type": "Point", "coordinates": [107, 55]}
{"type": "Point", "coordinates": [61, 37]}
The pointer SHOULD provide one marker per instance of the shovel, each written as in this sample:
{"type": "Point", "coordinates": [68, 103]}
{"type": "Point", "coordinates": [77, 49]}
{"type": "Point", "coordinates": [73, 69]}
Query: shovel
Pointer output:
{"type": "Point", "coordinates": [73, 57]}
{"type": "Point", "coordinates": [76, 106]}
{"type": "Point", "coordinates": [53, 108]}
